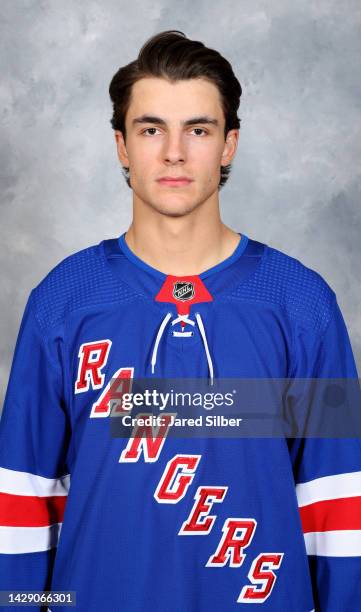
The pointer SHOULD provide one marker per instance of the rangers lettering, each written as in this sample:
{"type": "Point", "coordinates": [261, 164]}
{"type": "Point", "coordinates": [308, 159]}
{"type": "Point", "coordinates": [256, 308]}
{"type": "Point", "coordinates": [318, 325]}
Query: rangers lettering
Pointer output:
{"type": "Point", "coordinates": [147, 438]}
{"type": "Point", "coordinates": [232, 544]}
{"type": "Point", "coordinates": [196, 523]}
{"type": "Point", "coordinates": [109, 401]}
{"type": "Point", "coordinates": [92, 358]}
{"type": "Point", "coordinates": [259, 576]}
{"type": "Point", "coordinates": [174, 484]}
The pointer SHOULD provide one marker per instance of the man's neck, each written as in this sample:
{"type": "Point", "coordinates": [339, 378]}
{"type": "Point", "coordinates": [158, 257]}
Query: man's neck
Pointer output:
{"type": "Point", "coordinates": [175, 246]}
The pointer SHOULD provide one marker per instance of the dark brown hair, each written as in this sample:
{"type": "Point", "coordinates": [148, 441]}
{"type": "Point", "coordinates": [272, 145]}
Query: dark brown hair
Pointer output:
{"type": "Point", "coordinates": [171, 55]}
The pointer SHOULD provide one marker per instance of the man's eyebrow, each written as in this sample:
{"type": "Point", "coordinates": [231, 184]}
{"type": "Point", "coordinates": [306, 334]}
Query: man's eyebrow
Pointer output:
{"type": "Point", "coordinates": [204, 119]}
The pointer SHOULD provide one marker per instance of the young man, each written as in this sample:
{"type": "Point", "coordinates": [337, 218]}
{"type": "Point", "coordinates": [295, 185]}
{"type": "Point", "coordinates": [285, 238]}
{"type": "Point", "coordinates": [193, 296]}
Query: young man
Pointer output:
{"type": "Point", "coordinates": [153, 521]}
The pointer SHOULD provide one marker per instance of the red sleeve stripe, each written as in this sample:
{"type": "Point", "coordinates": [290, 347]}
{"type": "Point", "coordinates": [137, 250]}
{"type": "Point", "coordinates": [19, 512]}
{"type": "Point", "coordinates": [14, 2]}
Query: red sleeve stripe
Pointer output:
{"type": "Point", "coordinates": [31, 511]}
{"type": "Point", "coordinates": [332, 515]}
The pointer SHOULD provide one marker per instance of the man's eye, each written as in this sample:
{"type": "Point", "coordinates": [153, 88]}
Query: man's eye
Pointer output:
{"type": "Point", "coordinates": [200, 130]}
{"type": "Point", "coordinates": [152, 130]}
{"type": "Point", "coordinates": [148, 129]}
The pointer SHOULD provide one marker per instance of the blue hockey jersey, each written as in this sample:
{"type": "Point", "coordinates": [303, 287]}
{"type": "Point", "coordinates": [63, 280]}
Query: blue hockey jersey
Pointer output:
{"type": "Point", "coordinates": [163, 523]}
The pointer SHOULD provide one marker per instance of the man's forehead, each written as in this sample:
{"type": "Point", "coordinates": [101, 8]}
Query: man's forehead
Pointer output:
{"type": "Point", "coordinates": [190, 98]}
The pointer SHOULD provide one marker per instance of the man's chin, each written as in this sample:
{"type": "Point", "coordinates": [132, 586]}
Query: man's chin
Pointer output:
{"type": "Point", "coordinates": [174, 209]}
{"type": "Point", "coordinates": [178, 210]}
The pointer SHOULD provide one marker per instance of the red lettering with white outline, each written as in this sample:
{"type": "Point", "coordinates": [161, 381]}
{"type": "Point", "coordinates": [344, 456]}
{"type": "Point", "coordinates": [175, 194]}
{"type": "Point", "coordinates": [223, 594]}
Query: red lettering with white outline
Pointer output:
{"type": "Point", "coordinates": [263, 576]}
{"type": "Point", "coordinates": [143, 438]}
{"type": "Point", "coordinates": [237, 535]}
{"type": "Point", "coordinates": [197, 523]}
{"type": "Point", "coordinates": [93, 357]}
{"type": "Point", "coordinates": [109, 401]}
{"type": "Point", "coordinates": [177, 477]}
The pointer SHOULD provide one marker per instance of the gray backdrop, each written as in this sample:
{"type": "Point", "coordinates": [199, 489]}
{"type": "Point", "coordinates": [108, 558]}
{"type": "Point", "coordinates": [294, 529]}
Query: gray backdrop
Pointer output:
{"type": "Point", "coordinates": [295, 183]}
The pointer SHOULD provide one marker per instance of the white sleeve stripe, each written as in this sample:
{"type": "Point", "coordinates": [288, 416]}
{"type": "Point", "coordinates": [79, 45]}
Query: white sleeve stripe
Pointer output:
{"type": "Point", "coordinates": [334, 543]}
{"type": "Point", "coordinates": [26, 483]}
{"type": "Point", "coordinates": [329, 487]}
{"type": "Point", "coordinates": [17, 540]}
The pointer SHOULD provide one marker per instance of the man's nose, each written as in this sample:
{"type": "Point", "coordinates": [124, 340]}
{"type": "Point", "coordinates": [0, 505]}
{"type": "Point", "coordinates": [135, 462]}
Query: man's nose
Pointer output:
{"type": "Point", "coordinates": [174, 148]}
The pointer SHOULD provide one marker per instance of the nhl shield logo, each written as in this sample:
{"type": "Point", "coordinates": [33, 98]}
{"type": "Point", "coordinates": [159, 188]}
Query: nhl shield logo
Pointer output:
{"type": "Point", "coordinates": [183, 290]}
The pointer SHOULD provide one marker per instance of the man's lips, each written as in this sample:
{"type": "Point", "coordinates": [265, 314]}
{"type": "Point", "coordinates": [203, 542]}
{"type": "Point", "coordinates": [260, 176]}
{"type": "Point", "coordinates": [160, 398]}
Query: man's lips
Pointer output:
{"type": "Point", "coordinates": [174, 181]}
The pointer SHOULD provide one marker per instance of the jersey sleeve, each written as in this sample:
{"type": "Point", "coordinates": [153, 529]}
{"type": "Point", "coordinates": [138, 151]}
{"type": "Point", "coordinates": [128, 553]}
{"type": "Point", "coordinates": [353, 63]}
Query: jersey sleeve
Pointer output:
{"type": "Point", "coordinates": [328, 477]}
{"type": "Point", "coordinates": [34, 477]}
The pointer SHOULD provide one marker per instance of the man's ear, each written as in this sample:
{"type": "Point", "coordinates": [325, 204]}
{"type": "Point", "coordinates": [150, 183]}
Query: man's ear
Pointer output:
{"type": "Point", "coordinates": [121, 148]}
{"type": "Point", "coordinates": [230, 147]}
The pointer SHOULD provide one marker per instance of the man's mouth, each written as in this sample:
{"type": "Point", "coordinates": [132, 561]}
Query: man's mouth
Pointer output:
{"type": "Point", "coordinates": [171, 181]}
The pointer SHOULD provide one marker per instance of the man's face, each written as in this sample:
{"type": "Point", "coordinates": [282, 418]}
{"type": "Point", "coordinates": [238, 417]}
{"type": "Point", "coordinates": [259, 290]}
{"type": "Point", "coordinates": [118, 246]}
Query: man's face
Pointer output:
{"type": "Point", "coordinates": [160, 144]}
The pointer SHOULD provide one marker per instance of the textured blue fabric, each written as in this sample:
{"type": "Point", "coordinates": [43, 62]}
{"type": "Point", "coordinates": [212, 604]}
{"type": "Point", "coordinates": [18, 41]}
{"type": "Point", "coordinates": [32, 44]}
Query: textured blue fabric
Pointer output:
{"type": "Point", "coordinates": [119, 547]}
